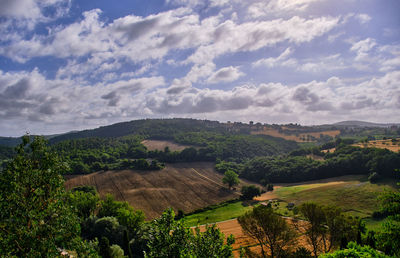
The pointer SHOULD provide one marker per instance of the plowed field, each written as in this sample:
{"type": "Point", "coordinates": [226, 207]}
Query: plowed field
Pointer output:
{"type": "Point", "coordinates": [184, 186]}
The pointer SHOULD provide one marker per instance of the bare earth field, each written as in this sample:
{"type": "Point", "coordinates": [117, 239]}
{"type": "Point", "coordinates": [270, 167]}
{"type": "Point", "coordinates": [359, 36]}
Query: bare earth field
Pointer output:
{"type": "Point", "coordinates": [184, 186]}
{"type": "Point", "coordinates": [160, 145]}
{"type": "Point", "coordinates": [298, 138]}
{"type": "Point", "coordinates": [241, 240]}
{"type": "Point", "coordinates": [380, 144]}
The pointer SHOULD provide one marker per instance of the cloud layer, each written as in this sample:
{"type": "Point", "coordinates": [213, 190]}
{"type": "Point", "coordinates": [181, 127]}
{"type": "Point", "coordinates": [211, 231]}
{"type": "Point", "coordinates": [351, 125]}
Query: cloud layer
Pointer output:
{"type": "Point", "coordinates": [269, 61]}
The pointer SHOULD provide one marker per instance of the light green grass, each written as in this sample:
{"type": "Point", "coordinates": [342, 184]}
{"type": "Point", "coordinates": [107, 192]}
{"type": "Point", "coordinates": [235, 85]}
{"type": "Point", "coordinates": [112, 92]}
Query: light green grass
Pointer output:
{"type": "Point", "coordinates": [356, 196]}
{"type": "Point", "coordinates": [229, 211]}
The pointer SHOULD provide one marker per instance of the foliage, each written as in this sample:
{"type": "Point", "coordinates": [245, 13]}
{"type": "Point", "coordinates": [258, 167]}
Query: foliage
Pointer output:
{"type": "Point", "coordinates": [230, 178]}
{"type": "Point", "coordinates": [169, 238]}
{"type": "Point", "coordinates": [268, 229]}
{"type": "Point", "coordinates": [250, 191]}
{"type": "Point", "coordinates": [356, 251]}
{"type": "Point", "coordinates": [123, 212]}
{"type": "Point", "coordinates": [389, 239]}
{"type": "Point", "coordinates": [34, 220]}
{"type": "Point", "coordinates": [346, 160]}
{"type": "Point", "coordinates": [327, 227]}
{"type": "Point", "coordinates": [374, 177]}
{"type": "Point", "coordinates": [85, 203]}
{"type": "Point", "coordinates": [116, 251]}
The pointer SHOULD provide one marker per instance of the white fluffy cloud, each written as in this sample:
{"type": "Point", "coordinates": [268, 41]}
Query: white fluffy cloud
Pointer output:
{"type": "Point", "coordinates": [271, 61]}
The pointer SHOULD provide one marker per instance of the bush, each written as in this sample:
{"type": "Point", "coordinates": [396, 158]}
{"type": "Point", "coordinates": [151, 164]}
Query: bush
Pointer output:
{"type": "Point", "coordinates": [250, 191]}
{"type": "Point", "coordinates": [374, 177]}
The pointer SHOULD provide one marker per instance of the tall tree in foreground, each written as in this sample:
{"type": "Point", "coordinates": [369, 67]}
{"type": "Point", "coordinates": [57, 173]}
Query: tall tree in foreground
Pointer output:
{"type": "Point", "coordinates": [268, 229]}
{"type": "Point", "coordinates": [34, 220]}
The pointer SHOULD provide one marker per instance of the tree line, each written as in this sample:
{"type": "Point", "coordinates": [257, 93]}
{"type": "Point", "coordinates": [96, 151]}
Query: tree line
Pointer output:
{"type": "Point", "coordinates": [346, 160]}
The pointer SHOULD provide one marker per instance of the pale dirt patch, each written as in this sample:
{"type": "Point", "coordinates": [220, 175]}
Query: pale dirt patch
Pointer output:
{"type": "Point", "coordinates": [160, 145]}
{"type": "Point", "coordinates": [301, 137]}
{"type": "Point", "coordinates": [381, 144]}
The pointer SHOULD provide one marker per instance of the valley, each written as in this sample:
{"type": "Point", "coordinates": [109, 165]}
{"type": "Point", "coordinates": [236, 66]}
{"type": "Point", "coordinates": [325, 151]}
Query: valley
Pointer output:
{"type": "Point", "coordinates": [183, 186]}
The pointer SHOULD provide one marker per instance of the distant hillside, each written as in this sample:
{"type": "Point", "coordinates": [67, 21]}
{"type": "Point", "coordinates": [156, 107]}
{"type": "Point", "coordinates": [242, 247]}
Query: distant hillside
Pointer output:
{"type": "Point", "coordinates": [364, 124]}
{"type": "Point", "coordinates": [10, 141]}
{"type": "Point", "coordinates": [154, 128]}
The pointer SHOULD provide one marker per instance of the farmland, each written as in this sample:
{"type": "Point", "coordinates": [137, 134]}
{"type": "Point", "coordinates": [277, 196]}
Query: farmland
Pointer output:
{"type": "Point", "coordinates": [354, 194]}
{"type": "Point", "coordinates": [298, 137]}
{"type": "Point", "coordinates": [381, 144]}
{"type": "Point", "coordinates": [183, 186]}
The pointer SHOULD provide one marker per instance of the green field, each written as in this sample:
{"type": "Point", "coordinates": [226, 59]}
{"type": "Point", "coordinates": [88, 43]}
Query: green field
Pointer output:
{"type": "Point", "coordinates": [354, 194]}
{"type": "Point", "coordinates": [228, 211]}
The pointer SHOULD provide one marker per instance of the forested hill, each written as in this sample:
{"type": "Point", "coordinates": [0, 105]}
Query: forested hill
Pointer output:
{"type": "Point", "coordinates": [119, 146]}
{"type": "Point", "coordinates": [148, 128]}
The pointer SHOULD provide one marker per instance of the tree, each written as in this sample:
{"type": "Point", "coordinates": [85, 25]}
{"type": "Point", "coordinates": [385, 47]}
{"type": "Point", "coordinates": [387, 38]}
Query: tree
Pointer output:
{"type": "Point", "coordinates": [250, 191]}
{"type": "Point", "coordinates": [268, 229]}
{"type": "Point", "coordinates": [125, 214]}
{"type": "Point", "coordinates": [230, 178]}
{"type": "Point", "coordinates": [327, 227]}
{"type": "Point", "coordinates": [34, 220]}
{"type": "Point", "coordinates": [315, 231]}
{"type": "Point", "coordinates": [170, 238]}
{"type": "Point", "coordinates": [356, 251]}
{"type": "Point", "coordinates": [389, 239]}
{"type": "Point", "coordinates": [85, 203]}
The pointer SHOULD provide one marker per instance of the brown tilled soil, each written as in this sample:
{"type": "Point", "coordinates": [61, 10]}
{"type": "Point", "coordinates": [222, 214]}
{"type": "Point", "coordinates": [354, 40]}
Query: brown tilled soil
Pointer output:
{"type": "Point", "coordinates": [160, 145]}
{"type": "Point", "coordinates": [241, 240]}
{"type": "Point", "coordinates": [183, 186]}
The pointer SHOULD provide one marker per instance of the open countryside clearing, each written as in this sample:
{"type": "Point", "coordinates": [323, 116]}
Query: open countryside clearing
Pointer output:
{"type": "Point", "coordinates": [354, 194]}
{"type": "Point", "coordinates": [300, 137]}
{"type": "Point", "coordinates": [160, 145]}
{"type": "Point", "coordinates": [183, 186]}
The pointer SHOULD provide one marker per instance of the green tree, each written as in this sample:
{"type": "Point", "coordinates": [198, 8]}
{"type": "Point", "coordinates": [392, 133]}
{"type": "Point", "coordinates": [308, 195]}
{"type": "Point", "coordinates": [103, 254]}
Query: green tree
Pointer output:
{"type": "Point", "coordinates": [230, 178]}
{"type": "Point", "coordinates": [268, 229]}
{"type": "Point", "coordinates": [356, 251]}
{"type": "Point", "coordinates": [125, 214]}
{"type": "Point", "coordinates": [34, 220]}
{"type": "Point", "coordinates": [250, 191]}
{"type": "Point", "coordinates": [85, 203]}
{"type": "Point", "coordinates": [315, 231]}
{"type": "Point", "coordinates": [389, 239]}
{"type": "Point", "coordinates": [169, 238]}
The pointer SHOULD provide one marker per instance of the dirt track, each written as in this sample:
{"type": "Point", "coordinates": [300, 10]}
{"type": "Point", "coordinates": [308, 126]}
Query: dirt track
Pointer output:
{"type": "Point", "coordinates": [160, 145]}
{"type": "Point", "coordinates": [183, 186]}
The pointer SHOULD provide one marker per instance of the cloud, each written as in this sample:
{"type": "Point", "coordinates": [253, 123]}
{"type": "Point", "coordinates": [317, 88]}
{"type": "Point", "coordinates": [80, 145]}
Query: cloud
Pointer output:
{"type": "Point", "coordinates": [281, 60]}
{"type": "Point", "coordinates": [363, 18]}
{"type": "Point", "coordinates": [25, 14]}
{"type": "Point", "coordinates": [261, 8]}
{"type": "Point", "coordinates": [225, 74]}
{"type": "Point", "coordinates": [229, 37]}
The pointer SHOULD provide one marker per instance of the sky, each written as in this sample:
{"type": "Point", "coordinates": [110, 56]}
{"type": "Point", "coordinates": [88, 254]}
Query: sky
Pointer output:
{"type": "Point", "coordinates": [77, 64]}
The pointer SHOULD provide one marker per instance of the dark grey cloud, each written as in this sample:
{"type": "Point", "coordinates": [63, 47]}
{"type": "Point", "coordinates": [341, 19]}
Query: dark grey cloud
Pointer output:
{"type": "Point", "coordinates": [17, 90]}
{"type": "Point", "coordinates": [112, 98]}
{"type": "Point", "coordinates": [359, 104]}
{"type": "Point", "coordinates": [176, 89]}
{"type": "Point", "coordinates": [138, 29]}
{"type": "Point", "coordinates": [305, 96]}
